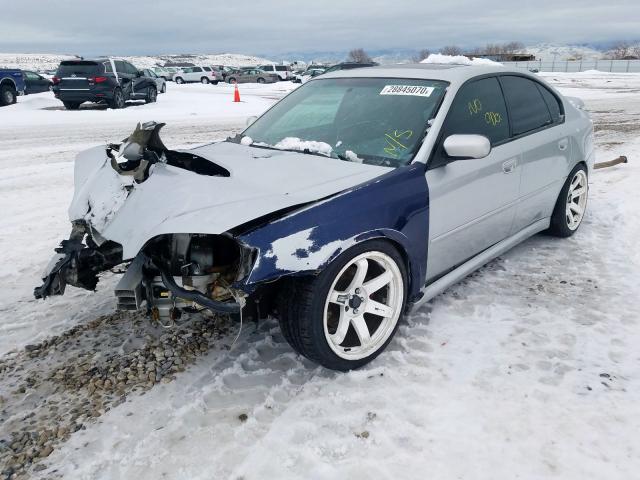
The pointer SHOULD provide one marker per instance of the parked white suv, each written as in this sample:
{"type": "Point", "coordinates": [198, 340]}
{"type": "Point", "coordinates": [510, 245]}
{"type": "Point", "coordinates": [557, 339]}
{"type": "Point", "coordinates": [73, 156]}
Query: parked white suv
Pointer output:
{"type": "Point", "coordinates": [197, 74]}
{"type": "Point", "coordinates": [283, 71]}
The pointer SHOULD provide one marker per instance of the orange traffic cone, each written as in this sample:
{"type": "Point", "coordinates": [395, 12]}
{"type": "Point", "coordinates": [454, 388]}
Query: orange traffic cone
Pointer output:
{"type": "Point", "coordinates": [236, 94]}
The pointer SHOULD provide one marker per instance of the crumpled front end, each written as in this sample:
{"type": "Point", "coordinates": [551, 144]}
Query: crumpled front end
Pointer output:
{"type": "Point", "coordinates": [175, 219]}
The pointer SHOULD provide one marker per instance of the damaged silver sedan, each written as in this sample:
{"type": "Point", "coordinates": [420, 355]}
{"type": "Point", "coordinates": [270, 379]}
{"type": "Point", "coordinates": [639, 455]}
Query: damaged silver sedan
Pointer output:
{"type": "Point", "coordinates": [359, 195]}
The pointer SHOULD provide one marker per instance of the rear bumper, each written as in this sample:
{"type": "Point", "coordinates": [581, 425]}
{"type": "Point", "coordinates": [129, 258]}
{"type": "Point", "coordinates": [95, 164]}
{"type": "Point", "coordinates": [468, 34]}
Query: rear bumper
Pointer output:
{"type": "Point", "coordinates": [83, 96]}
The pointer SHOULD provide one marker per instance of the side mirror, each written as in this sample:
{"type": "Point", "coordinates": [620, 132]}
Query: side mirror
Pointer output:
{"type": "Point", "coordinates": [462, 147]}
{"type": "Point", "coordinates": [251, 119]}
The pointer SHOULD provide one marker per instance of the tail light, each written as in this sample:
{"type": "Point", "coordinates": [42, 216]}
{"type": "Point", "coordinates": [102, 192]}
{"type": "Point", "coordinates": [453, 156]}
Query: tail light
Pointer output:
{"type": "Point", "coordinates": [55, 80]}
{"type": "Point", "coordinates": [98, 79]}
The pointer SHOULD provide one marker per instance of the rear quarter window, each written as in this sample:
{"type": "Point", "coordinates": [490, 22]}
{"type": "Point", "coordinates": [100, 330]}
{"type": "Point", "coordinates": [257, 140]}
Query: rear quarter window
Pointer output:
{"type": "Point", "coordinates": [555, 106]}
{"type": "Point", "coordinates": [528, 110]}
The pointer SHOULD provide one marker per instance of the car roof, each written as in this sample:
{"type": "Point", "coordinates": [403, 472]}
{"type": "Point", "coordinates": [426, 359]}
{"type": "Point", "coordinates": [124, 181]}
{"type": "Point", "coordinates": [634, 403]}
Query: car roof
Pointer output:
{"type": "Point", "coordinates": [449, 72]}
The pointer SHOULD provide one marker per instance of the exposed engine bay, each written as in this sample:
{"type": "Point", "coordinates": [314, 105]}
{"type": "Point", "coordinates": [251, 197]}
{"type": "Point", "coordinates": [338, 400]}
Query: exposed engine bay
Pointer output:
{"type": "Point", "coordinates": [173, 273]}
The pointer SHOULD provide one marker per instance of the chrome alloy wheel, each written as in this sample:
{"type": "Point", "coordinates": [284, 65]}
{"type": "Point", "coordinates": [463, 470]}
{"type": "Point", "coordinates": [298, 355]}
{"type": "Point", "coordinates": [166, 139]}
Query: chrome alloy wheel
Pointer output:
{"type": "Point", "coordinates": [576, 199]}
{"type": "Point", "coordinates": [363, 305]}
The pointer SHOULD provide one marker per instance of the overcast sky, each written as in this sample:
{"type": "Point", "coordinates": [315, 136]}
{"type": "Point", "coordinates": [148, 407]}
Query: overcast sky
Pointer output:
{"type": "Point", "coordinates": [275, 27]}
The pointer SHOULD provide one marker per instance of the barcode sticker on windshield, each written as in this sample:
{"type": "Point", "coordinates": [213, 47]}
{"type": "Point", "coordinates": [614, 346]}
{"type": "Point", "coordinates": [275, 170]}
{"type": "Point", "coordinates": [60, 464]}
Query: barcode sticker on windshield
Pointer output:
{"type": "Point", "coordinates": [415, 90]}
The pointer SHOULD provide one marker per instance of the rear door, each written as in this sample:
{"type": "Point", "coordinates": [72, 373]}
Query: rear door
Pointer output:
{"type": "Point", "coordinates": [35, 83]}
{"type": "Point", "coordinates": [537, 126]}
{"type": "Point", "coordinates": [472, 203]}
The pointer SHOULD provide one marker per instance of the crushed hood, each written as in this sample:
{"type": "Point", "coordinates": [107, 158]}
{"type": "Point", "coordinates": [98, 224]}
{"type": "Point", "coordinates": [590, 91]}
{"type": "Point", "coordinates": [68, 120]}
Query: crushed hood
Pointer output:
{"type": "Point", "coordinates": [176, 200]}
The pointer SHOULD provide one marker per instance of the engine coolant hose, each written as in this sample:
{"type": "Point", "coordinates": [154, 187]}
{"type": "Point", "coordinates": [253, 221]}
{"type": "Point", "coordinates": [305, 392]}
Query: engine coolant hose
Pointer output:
{"type": "Point", "coordinates": [197, 297]}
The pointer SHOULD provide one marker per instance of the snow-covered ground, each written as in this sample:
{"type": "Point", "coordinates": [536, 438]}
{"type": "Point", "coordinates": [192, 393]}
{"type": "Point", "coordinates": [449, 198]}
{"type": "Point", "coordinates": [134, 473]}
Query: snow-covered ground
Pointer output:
{"type": "Point", "coordinates": [530, 368]}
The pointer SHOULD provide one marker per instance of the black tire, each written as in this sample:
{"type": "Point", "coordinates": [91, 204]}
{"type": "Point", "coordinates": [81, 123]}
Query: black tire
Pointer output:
{"type": "Point", "coordinates": [179, 80]}
{"type": "Point", "coordinates": [71, 105]}
{"type": "Point", "coordinates": [8, 95]}
{"type": "Point", "coordinates": [215, 82]}
{"type": "Point", "coordinates": [301, 303]}
{"type": "Point", "coordinates": [231, 80]}
{"type": "Point", "coordinates": [118, 100]}
{"type": "Point", "coordinates": [50, 88]}
{"type": "Point", "coordinates": [204, 81]}
{"type": "Point", "coordinates": [152, 95]}
{"type": "Point", "coordinates": [559, 224]}
{"type": "Point", "coordinates": [164, 88]}
{"type": "Point", "coordinates": [261, 80]}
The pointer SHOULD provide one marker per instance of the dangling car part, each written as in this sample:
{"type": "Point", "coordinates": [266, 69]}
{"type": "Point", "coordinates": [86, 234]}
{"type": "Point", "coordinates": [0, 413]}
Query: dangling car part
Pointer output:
{"type": "Point", "coordinates": [337, 218]}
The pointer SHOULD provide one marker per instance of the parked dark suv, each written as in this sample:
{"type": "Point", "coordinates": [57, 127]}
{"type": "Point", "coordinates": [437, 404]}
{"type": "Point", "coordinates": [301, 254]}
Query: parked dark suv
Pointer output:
{"type": "Point", "coordinates": [102, 80]}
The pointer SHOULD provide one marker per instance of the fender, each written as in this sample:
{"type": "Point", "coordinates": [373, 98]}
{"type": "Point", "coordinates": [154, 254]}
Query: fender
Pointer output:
{"type": "Point", "coordinates": [394, 206]}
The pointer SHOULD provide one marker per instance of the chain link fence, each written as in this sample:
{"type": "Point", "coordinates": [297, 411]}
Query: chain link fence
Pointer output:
{"type": "Point", "coordinates": [614, 66]}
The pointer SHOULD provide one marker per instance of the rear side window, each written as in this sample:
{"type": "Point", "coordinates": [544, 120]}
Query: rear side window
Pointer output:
{"type": "Point", "coordinates": [206, 69]}
{"type": "Point", "coordinates": [107, 67]}
{"type": "Point", "coordinates": [282, 68]}
{"type": "Point", "coordinates": [78, 68]}
{"type": "Point", "coordinates": [528, 109]}
{"type": "Point", "coordinates": [479, 108]}
{"type": "Point", "coordinates": [555, 108]}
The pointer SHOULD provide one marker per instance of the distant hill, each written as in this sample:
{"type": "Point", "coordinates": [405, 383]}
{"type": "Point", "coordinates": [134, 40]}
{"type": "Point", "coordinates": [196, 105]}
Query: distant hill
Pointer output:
{"type": "Point", "coordinates": [42, 62]}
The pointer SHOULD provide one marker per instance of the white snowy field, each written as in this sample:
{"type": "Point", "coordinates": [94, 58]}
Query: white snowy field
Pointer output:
{"type": "Point", "coordinates": [529, 369]}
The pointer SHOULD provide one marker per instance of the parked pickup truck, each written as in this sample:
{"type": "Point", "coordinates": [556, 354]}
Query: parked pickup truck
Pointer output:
{"type": "Point", "coordinates": [11, 85]}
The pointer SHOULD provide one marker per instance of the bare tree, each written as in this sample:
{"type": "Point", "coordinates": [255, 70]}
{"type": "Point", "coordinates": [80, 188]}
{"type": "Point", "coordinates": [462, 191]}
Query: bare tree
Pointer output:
{"type": "Point", "coordinates": [358, 55]}
{"type": "Point", "coordinates": [512, 47]}
{"type": "Point", "coordinates": [635, 51]}
{"type": "Point", "coordinates": [619, 50]}
{"type": "Point", "coordinates": [451, 50]}
{"type": "Point", "coordinates": [422, 54]}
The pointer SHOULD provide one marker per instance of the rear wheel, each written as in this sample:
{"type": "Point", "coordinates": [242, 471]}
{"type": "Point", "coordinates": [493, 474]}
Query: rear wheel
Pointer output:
{"type": "Point", "coordinates": [152, 95]}
{"type": "Point", "coordinates": [179, 80]}
{"type": "Point", "coordinates": [8, 95]}
{"type": "Point", "coordinates": [344, 317]}
{"type": "Point", "coordinates": [571, 204]}
{"type": "Point", "coordinates": [261, 80]}
{"type": "Point", "coordinates": [232, 80]}
{"type": "Point", "coordinates": [204, 80]}
{"type": "Point", "coordinates": [71, 105]}
{"type": "Point", "coordinates": [215, 82]}
{"type": "Point", "coordinates": [118, 99]}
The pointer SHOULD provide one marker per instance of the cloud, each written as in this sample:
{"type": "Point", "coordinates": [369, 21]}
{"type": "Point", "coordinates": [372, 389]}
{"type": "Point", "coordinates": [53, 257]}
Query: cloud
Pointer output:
{"type": "Point", "coordinates": [277, 26]}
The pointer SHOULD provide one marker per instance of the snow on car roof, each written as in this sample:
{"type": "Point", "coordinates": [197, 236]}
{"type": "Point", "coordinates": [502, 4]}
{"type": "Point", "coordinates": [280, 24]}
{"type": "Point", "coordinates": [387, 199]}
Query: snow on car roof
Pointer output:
{"type": "Point", "coordinates": [449, 72]}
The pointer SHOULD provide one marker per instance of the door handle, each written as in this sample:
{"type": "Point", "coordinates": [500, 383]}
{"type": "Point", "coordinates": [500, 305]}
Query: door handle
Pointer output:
{"type": "Point", "coordinates": [509, 166]}
{"type": "Point", "coordinates": [563, 144]}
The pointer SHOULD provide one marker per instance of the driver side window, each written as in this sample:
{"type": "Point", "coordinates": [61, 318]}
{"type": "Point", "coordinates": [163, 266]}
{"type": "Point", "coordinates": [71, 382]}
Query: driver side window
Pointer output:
{"type": "Point", "coordinates": [479, 108]}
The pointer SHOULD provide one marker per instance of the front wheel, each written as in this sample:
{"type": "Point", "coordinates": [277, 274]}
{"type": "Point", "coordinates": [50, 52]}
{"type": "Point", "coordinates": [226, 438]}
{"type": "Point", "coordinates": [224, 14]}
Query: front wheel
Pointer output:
{"type": "Point", "coordinates": [571, 204]}
{"type": "Point", "coordinates": [261, 80]}
{"type": "Point", "coordinates": [179, 80]}
{"type": "Point", "coordinates": [232, 80]}
{"type": "Point", "coordinates": [152, 95]}
{"type": "Point", "coordinates": [345, 317]}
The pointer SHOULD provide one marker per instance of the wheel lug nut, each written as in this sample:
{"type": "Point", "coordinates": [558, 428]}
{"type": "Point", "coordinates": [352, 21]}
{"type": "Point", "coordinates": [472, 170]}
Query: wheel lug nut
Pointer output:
{"type": "Point", "coordinates": [357, 290]}
{"type": "Point", "coordinates": [355, 310]}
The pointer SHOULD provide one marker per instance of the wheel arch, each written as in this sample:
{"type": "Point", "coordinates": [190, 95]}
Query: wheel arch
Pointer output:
{"type": "Point", "coordinates": [394, 208]}
{"type": "Point", "coordinates": [10, 82]}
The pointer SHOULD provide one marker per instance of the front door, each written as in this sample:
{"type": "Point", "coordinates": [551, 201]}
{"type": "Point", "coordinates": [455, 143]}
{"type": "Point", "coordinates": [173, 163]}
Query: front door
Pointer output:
{"type": "Point", "coordinates": [472, 203]}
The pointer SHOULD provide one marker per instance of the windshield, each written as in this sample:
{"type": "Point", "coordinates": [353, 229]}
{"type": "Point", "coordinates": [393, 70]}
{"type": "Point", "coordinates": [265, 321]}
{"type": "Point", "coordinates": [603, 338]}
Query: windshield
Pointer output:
{"type": "Point", "coordinates": [380, 121]}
